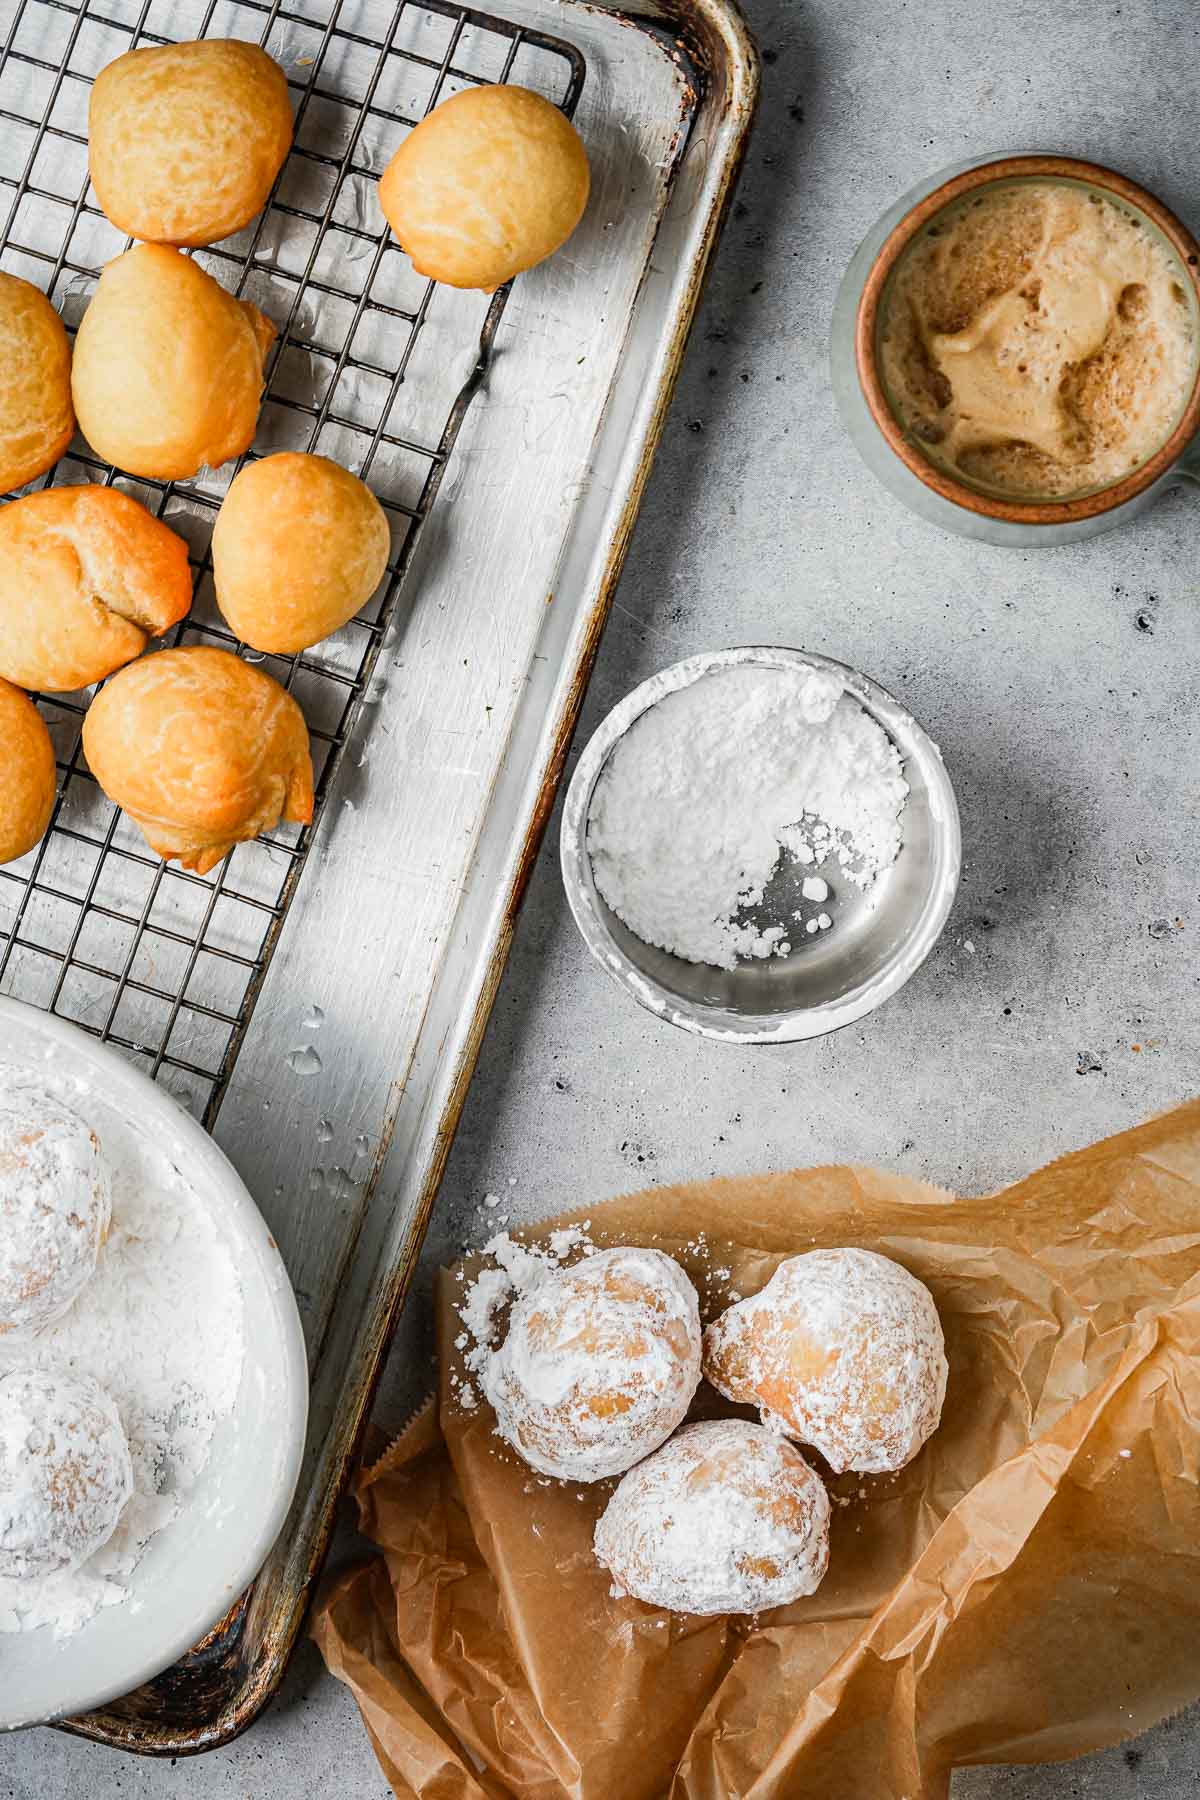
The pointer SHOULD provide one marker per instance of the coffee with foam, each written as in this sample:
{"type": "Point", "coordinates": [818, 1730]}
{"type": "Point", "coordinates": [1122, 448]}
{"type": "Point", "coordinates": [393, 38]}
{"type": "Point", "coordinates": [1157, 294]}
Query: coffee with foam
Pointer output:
{"type": "Point", "coordinates": [1037, 339]}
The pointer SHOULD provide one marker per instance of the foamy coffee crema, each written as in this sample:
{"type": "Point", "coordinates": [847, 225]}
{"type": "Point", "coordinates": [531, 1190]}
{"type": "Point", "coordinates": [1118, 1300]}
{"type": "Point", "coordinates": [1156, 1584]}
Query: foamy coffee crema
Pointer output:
{"type": "Point", "coordinates": [1037, 339]}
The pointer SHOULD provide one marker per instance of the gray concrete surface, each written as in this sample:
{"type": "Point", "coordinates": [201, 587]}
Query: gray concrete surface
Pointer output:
{"type": "Point", "coordinates": [1068, 726]}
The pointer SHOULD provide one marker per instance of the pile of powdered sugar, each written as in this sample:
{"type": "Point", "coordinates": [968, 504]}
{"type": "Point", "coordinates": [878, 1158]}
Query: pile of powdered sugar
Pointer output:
{"type": "Point", "coordinates": [713, 785]}
{"type": "Point", "coordinates": [160, 1327]}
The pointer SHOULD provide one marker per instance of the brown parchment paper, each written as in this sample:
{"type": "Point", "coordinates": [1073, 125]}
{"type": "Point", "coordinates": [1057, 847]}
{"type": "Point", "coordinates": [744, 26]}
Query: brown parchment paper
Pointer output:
{"type": "Point", "coordinates": [1028, 1589]}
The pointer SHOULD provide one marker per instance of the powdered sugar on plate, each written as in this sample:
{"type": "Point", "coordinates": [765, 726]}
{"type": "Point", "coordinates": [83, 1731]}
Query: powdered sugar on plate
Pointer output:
{"type": "Point", "coordinates": [714, 784]}
{"type": "Point", "coordinates": [160, 1326]}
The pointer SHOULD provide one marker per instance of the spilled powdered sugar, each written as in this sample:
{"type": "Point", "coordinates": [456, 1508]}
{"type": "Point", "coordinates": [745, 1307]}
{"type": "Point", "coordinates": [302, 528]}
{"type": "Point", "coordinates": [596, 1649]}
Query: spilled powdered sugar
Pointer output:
{"type": "Point", "coordinates": [715, 784]}
{"type": "Point", "coordinates": [726, 1518]}
{"type": "Point", "coordinates": [160, 1327]}
{"type": "Point", "coordinates": [519, 1269]}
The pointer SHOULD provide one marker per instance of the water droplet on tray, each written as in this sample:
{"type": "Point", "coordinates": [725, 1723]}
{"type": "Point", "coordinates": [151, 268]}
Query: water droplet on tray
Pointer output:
{"type": "Point", "coordinates": [362, 1144]}
{"type": "Point", "coordinates": [316, 1180]}
{"type": "Point", "coordinates": [324, 1132]}
{"type": "Point", "coordinates": [316, 1017]}
{"type": "Point", "coordinates": [304, 1060]}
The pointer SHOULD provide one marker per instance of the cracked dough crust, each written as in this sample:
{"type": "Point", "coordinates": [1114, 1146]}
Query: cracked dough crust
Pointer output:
{"type": "Point", "coordinates": [86, 576]}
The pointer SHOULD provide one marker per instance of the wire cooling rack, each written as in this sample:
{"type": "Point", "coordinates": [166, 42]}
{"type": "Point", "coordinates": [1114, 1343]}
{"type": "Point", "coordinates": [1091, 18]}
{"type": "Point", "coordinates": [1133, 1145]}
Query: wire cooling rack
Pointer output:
{"type": "Point", "coordinates": [372, 366]}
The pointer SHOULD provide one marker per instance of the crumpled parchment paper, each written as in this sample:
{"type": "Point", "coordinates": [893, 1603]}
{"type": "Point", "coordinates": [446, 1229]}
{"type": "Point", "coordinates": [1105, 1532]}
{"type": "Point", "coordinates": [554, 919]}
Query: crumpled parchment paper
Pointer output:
{"type": "Point", "coordinates": [1028, 1589]}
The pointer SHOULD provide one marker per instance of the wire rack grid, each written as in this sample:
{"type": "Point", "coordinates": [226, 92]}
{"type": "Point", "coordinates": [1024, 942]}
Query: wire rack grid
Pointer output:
{"type": "Point", "coordinates": [165, 964]}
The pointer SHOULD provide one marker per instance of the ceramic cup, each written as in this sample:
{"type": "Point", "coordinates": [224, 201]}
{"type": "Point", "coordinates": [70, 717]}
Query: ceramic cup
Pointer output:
{"type": "Point", "coordinates": [897, 459]}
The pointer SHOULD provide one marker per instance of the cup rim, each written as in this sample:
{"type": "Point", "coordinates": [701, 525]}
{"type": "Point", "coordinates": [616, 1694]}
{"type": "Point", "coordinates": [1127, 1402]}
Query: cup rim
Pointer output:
{"type": "Point", "coordinates": [960, 493]}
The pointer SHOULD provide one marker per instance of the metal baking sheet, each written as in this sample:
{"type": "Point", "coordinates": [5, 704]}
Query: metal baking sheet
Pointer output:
{"type": "Point", "coordinates": [358, 972]}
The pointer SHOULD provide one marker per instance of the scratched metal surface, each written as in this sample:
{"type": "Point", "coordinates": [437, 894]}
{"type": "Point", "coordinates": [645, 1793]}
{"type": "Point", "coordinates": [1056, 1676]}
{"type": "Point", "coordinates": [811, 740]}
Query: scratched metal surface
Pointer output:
{"type": "Point", "coordinates": [464, 661]}
{"type": "Point", "coordinates": [457, 768]}
{"type": "Point", "coordinates": [393, 944]}
{"type": "Point", "coordinates": [346, 1088]}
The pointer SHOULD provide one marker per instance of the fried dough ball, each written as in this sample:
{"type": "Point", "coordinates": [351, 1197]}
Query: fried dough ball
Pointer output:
{"type": "Point", "coordinates": [168, 370]}
{"type": "Point", "coordinates": [65, 1472]}
{"type": "Point", "coordinates": [27, 777]}
{"type": "Point", "coordinates": [299, 546]}
{"type": "Point", "coordinates": [201, 750]}
{"type": "Point", "coordinates": [55, 1206]}
{"type": "Point", "coordinates": [843, 1350]}
{"type": "Point", "coordinates": [491, 182]}
{"type": "Point", "coordinates": [726, 1518]}
{"type": "Point", "coordinates": [36, 418]}
{"type": "Point", "coordinates": [185, 140]}
{"type": "Point", "coordinates": [599, 1366]}
{"type": "Point", "coordinates": [87, 575]}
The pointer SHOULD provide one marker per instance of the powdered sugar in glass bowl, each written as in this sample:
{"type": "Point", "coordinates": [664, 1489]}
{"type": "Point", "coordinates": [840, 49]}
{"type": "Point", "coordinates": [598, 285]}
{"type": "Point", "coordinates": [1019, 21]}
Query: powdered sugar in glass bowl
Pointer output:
{"type": "Point", "coordinates": [829, 938]}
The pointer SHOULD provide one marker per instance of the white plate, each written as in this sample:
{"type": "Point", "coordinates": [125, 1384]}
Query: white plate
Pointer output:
{"type": "Point", "coordinates": [195, 1568]}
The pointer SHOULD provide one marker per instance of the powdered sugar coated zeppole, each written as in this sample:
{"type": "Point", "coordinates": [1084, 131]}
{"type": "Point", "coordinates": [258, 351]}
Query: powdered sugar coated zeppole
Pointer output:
{"type": "Point", "coordinates": [168, 367]}
{"type": "Point", "coordinates": [599, 1365]}
{"type": "Point", "coordinates": [55, 1205]}
{"type": "Point", "coordinates": [842, 1349]}
{"type": "Point", "coordinates": [36, 418]}
{"type": "Point", "coordinates": [184, 140]}
{"type": "Point", "coordinates": [65, 1472]}
{"type": "Point", "coordinates": [492, 182]}
{"type": "Point", "coordinates": [726, 1518]}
